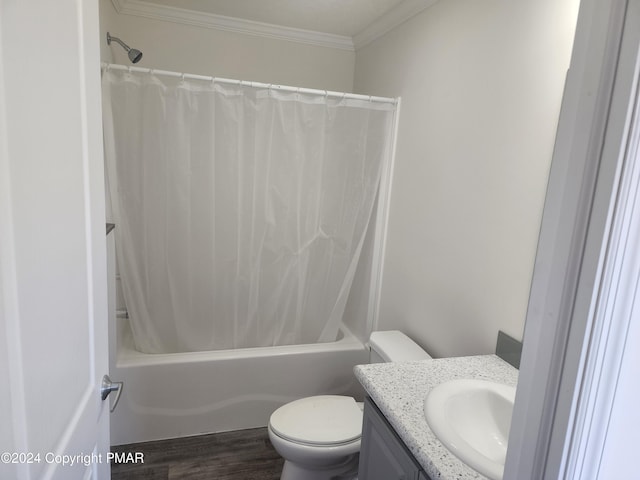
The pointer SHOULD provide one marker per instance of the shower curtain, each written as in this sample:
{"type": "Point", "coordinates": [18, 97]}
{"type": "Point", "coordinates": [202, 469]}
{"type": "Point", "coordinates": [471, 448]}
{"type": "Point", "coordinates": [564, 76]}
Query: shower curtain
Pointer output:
{"type": "Point", "coordinates": [240, 211]}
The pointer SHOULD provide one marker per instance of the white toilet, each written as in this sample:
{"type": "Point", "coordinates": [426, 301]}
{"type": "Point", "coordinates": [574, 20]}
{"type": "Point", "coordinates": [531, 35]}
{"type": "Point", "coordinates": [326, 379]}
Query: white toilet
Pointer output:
{"type": "Point", "coordinates": [319, 437]}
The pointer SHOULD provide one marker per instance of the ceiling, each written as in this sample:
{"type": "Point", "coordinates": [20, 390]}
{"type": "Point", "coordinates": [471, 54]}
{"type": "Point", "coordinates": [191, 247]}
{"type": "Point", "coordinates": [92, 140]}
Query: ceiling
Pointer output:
{"type": "Point", "coordinates": [337, 17]}
{"type": "Point", "coordinates": [343, 24]}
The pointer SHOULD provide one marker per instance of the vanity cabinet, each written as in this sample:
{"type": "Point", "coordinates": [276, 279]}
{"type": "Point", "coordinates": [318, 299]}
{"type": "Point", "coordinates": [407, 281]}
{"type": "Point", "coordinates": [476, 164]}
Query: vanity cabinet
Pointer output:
{"type": "Point", "coordinates": [383, 455]}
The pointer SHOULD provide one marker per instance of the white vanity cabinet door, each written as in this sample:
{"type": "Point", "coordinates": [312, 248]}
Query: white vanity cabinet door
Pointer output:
{"type": "Point", "coordinates": [383, 455]}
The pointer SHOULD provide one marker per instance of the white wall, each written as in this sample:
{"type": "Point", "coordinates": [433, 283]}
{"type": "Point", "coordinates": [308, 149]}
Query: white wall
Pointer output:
{"type": "Point", "coordinates": [205, 51]}
{"type": "Point", "coordinates": [481, 85]}
{"type": "Point", "coordinates": [108, 21]}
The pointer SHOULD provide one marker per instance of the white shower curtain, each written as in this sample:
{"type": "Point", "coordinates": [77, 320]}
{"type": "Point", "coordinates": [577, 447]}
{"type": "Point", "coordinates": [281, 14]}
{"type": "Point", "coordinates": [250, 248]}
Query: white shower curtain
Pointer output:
{"type": "Point", "coordinates": [240, 211]}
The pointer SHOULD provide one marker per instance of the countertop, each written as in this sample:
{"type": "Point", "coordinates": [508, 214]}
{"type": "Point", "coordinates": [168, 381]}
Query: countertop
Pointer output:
{"type": "Point", "coordinates": [399, 390]}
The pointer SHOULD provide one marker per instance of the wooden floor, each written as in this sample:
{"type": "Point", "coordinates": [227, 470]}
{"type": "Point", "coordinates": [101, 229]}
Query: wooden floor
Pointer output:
{"type": "Point", "coordinates": [240, 455]}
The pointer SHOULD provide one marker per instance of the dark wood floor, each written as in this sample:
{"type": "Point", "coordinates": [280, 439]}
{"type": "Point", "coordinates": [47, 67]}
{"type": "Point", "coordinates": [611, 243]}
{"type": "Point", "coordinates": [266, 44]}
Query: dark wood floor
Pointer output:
{"type": "Point", "coordinates": [240, 455]}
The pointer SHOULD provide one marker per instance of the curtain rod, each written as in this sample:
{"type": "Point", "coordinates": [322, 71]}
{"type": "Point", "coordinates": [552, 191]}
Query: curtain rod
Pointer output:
{"type": "Point", "coordinates": [312, 91]}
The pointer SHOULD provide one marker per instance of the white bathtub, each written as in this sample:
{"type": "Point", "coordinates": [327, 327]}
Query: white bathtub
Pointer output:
{"type": "Point", "coordinates": [181, 394]}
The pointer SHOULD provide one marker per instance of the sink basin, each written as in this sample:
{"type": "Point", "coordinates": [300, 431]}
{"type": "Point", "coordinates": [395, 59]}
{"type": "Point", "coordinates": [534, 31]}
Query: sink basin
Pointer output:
{"type": "Point", "coordinates": [472, 419]}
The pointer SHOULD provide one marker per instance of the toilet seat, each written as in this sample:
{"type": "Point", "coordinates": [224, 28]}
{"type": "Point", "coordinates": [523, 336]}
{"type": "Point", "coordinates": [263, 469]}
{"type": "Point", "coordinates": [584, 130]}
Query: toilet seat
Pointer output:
{"type": "Point", "coordinates": [323, 420]}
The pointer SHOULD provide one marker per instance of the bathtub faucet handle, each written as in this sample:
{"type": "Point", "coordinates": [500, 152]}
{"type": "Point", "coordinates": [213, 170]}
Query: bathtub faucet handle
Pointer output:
{"type": "Point", "coordinates": [107, 387]}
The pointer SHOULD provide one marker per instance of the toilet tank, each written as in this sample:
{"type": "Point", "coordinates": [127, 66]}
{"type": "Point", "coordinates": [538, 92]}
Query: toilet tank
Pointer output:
{"type": "Point", "coordinates": [394, 346]}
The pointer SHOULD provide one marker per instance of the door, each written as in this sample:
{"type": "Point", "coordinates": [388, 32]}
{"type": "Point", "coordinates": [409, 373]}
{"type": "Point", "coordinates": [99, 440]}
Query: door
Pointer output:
{"type": "Point", "coordinates": [53, 294]}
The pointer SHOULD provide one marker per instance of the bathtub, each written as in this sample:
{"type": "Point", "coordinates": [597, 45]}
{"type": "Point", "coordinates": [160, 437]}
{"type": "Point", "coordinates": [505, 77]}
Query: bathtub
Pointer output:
{"type": "Point", "coordinates": [182, 394]}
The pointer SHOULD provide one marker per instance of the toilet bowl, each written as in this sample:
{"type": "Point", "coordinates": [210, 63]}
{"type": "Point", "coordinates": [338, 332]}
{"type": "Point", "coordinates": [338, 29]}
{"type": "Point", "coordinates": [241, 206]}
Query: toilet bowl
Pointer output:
{"type": "Point", "coordinates": [319, 437]}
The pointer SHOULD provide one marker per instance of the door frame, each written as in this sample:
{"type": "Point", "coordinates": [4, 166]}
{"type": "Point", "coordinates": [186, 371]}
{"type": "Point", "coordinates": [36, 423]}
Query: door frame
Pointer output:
{"type": "Point", "coordinates": [584, 283]}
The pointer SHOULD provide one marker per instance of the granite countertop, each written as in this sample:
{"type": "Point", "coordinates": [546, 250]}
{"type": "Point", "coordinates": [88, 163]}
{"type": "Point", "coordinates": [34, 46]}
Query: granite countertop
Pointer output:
{"type": "Point", "coordinates": [399, 390]}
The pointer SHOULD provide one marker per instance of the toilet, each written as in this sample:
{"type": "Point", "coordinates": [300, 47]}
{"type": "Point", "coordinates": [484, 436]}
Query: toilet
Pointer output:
{"type": "Point", "coordinates": [319, 436]}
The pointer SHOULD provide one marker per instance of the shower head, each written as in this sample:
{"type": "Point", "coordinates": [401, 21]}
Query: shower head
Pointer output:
{"type": "Point", "coordinates": [134, 54]}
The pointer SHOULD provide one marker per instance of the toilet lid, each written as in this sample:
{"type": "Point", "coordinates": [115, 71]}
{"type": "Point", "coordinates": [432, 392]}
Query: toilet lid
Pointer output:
{"type": "Point", "coordinates": [320, 420]}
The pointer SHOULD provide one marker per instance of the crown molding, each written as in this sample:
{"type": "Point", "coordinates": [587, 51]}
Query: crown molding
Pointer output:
{"type": "Point", "coordinates": [396, 16]}
{"type": "Point", "coordinates": [154, 11]}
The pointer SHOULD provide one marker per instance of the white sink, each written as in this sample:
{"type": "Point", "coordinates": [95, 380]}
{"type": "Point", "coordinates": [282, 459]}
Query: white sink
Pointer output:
{"type": "Point", "coordinates": [472, 419]}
